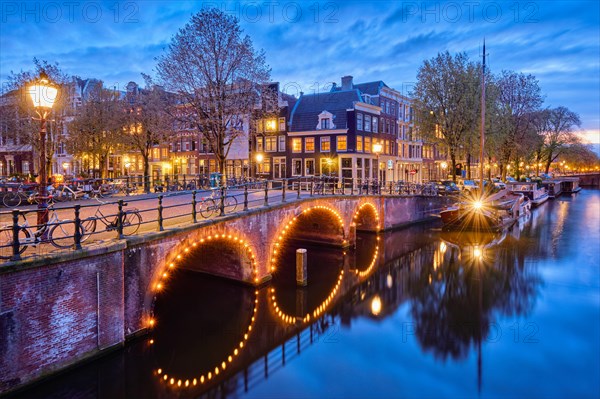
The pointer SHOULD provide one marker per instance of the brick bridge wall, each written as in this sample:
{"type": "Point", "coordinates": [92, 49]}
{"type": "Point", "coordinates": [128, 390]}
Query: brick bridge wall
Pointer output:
{"type": "Point", "coordinates": [57, 311]}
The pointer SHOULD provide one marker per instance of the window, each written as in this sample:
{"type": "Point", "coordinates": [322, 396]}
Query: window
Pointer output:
{"type": "Point", "coordinates": [259, 126]}
{"type": "Point", "coordinates": [375, 124]}
{"type": "Point", "coordinates": [367, 123]}
{"type": "Point", "coordinates": [259, 144]}
{"type": "Point", "coordinates": [270, 125]}
{"type": "Point", "coordinates": [281, 143]}
{"type": "Point", "coordinates": [296, 145]}
{"type": "Point", "coordinates": [271, 143]}
{"type": "Point", "coordinates": [347, 168]}
{"type": "Point", "coordinates": [325, 144]}
{"type": "Point", "coordinates": [282, 125]}
{"type": "Point", "coordinates": [296, 167]}
{"type": "Point", "coordinates": [324, 123]}
{"type": "Point", "coordinates": [328, 166]}
{"type": "Point", "coordinates": [279, 168]}
{"type": "Point", "coordinates": [367, 144]}
{"type": "Point", "coordinates": [342, 143]}
{"type": "Point", "coordinates": [387, 147]}
{"type": "Point", "coordinates": [359, 121]}
{"type": "Point", "coordinates": [309, 144]}
{"type": "Point", "coordinates": [359, 143]}
{"type": "Point", "coordinates": [309, 167]}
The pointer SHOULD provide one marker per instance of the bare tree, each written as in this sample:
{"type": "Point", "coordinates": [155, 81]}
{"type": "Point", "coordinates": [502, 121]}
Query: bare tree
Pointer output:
{"type": "Point", "coordinates": [519, 97]}
{"type": "Point", "coordinates": [446, 97]}
{"type": "Point", "coordinates": [557, 132]}
{"type": "Point", "coordinates": [216, 72]}
{"type": "Point", "coordinates": [97, 129]}
{"type": "Point", "coordinates": [148, 121]}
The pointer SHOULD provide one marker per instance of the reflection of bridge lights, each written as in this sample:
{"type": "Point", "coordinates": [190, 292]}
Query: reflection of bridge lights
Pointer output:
{"type": "Point", "coordinates": [316, 313]}
{"type": "Point", "coordinates": [443, 247]}
{"type": "Point", "coordinates": [376, 305]}
{"type": "Point", "coordinates": [373, 263]}
{"type": "Point", "coordinates": [219, 367]}
{"type": "Point", "coordinates": [389, 281]}
{"type": "Point", "coordinates": [287, 227]}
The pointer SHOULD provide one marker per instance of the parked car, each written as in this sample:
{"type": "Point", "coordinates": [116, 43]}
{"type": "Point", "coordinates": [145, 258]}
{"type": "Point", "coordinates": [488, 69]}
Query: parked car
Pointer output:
{"type": "Point", "coordinates": [499, 184]}
{"type": "Point", "coordinates": [447, 187]}
{"type": "Point", "coordinates": [467, 185]}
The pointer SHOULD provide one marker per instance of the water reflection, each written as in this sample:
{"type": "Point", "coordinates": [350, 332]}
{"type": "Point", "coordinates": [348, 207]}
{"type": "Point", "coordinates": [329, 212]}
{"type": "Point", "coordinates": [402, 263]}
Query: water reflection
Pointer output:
{"type": "Point", "coordinates": [455, 288]}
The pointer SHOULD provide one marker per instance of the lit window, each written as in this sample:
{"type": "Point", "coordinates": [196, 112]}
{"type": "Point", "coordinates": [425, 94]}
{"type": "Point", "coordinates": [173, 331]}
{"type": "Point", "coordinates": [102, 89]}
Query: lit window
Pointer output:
{"type": "Point", "coordinates": [367, 144]}
{"type": "Point", "coordinates": [325, 144]}
{"type": "Point", "coordinates": [342, 144]}
{"type": "Point", "coordinates": [296, 145]}
{"type": "Point", "coordinates": [359, 143]}
{"type": "Point", "coordinates": [271, 143]}
{"type": "Point", "coordinates": [259, 144]}
{"type": "Point", "coordinates": [309, 144]}
{"type": "Point", "coordinates": [270, 125]}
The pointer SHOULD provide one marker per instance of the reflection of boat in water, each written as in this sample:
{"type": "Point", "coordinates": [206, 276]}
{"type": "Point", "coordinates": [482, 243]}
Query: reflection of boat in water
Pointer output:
{"type": "Point", "coordinates": [537, 195]}
{"type": "Point", "coordinates": [492, 213]}
{"type": "Point", "coordinates": [464, 240]}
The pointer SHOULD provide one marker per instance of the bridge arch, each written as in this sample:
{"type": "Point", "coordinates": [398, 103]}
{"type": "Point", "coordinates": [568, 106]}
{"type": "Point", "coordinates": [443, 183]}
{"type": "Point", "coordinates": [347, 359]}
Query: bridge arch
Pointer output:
{"type": "Point", "coordinates": [306, 222]}
{"type": "Point", "coordinates": [241, 251]}
{"type": "Point", "coordinates": [366, 217]}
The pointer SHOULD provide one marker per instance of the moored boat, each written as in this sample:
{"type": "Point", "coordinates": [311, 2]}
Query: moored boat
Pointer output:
{"type": "Point", "coordinates": [536, 194]}
{"type": "Point", "coordinates": [570, 185]}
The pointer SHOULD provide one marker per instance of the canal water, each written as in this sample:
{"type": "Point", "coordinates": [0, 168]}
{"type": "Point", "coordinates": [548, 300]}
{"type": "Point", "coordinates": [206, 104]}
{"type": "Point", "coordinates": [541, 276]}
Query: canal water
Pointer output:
{"type": "Point", "coordinates": [416, 313]}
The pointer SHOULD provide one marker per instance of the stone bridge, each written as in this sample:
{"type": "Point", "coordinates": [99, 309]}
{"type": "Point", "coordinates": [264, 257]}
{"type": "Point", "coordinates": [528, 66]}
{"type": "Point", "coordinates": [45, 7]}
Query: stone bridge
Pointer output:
{"type": "Point", "coordinates": [58, 311]}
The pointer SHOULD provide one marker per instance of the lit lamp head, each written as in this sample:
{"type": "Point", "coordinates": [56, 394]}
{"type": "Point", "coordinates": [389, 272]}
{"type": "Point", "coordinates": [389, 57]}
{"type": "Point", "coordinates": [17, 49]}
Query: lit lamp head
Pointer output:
{"type": "Point", "coordinates": [65, 166]}
{"type": "Point", "coordinates": [43, 93]}
{"type": "Point", "coordinates": [444, 165]}
{"type": "Point", "coordinates": [377, 148]}
{"type": "Point", "coordinates": [259, 157]}
{"type": "Point", "coordinates": [127, 165]}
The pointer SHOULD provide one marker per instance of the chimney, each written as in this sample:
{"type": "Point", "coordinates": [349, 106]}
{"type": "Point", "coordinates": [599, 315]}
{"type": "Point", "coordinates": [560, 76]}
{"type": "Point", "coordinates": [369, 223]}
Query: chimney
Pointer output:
{"type": "Point", "coordinates": [347, 82]}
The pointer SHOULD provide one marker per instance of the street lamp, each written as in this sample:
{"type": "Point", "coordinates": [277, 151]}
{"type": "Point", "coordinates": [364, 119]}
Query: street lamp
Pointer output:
{"type": "Point", "coordinates": [65, 166]}
{"type": "Point", "coordinates": [377, 148]}
{"type": "Point", "coordinates": [444, 166]}
{"type": "Point", "coordinates": [43, 94]}
{"type": "Point", "coordinates": [259, 159]}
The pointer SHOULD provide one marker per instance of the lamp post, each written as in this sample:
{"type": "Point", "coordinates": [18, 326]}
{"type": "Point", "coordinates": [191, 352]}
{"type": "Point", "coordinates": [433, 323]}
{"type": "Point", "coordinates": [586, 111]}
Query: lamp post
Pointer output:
{"type": "Point", "coordinates": [65, 166]}
{"type": "Point", "coordinates": [377, 148]}
{"type": "Point", "coordinates": [259, 159]}
{"type": "Point", "coordinates": [444, 166]}
{"type": "Point", "coordinates": [43, 94]}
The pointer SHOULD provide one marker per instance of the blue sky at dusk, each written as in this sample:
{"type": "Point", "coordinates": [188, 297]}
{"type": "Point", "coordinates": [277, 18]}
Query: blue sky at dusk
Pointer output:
{"type": "Point", "coordinates": [311, 44]}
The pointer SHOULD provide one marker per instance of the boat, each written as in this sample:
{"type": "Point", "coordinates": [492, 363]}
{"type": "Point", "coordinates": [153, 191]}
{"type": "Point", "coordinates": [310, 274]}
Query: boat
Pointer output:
{"type": "Point", "coordinates": [570, 185]}
{"type": "Point", "coordinates": [480, 210]}
{"type": "Point", "coordinates": [553, 187]}
{"type": "Point", "coordinates": [492, 213]}
{"type": "Point", "coordinates": [536, 194]}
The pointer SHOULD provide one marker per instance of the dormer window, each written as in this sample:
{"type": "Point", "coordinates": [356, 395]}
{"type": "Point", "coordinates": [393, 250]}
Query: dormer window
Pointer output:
{"type": "Point", "coordinates": [325, 121]}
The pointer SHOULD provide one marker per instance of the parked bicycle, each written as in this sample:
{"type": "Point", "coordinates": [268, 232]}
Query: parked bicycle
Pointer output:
{"type": "Point", "coordinates": [131, 221]}
{"type": "Point", "coordinates": [212, 204]}
{"type": "Point", "coordinates": [59, 233]}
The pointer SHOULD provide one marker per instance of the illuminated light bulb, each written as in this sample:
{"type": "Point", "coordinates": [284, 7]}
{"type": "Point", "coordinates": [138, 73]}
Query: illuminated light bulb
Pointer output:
{"type": "Point", "coordinates": [230, 359]}
{"type": "Point", "coordinates": [171, 265]}
{"type": "Point", "coordinates": [256, 279]}
{"type": "Point", "coordinates": [272, 268]}
{"type": "Point", "coordinates": [158, 286]}
{"type": "Point", "coordinates": [229, 236]}
{"type": "Point", "coordinates": [376, 305]}
{"type": "Point", "coordinates": [477, 205]}
{"type": "Point", "coordinates": [165, 275]}
{"type": "Point", "coordinates": [252, 320]}
{"type": "Point", "coordinates": [235, 352]}
{"type": "Point", "coordinates": [151, 343]}
{"type": "Point", "coordinates": [159, 371]}
{"type": "Point", "coordinates": [187, 383]}
{"type": "Point", "coordinates": [186, 250]}
{"type": "Point", "coordinates": [194, 382]}
{"type": "Point", "coordinates": [209, 375]}
{"type": "Point", "coordinates": [178, 256]}
{"type": "Point", "coordinates": [195, 244]}
{"type": "Point", "coordinates": [222, 235]}
{"type": "Point", "coordinates": [172, 381]}
{"type": "Point", "coordinates": [201, 240]}
{"type": "Point", "coordinates": [216, 371]}
{"type": "Point", "coordinates": [241, 344]}
{"type": "Point", "coordinates": [209, 238]}
{"type": "Point", "coordinates": [245, 336]}
{"type": "Point", "coordinates": [165, 377]}
{"type": "Point", "coordinates": [223, 365]}
{"type": "Point", "coordinates": [201, 379]}
{"type": "Point", "coordinates": [152, 322]}
{"type": "Point", "coordinates": [249, 328]}
{"type": "Point", "coordinates": [179, 383]}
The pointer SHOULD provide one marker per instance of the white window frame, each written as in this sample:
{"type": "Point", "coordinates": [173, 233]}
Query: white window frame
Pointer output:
{"type": "Point", "coordinates": [294, 160]}
{"type": "Point", "coordinates": [306, 160]}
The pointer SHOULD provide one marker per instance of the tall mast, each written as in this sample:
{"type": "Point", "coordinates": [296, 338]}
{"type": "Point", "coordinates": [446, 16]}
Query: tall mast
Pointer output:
{"type": "Point", "coordinates": [482, 123]}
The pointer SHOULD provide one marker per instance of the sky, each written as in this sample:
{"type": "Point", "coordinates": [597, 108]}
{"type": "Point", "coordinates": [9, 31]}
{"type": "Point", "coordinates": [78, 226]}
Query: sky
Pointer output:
{"type": "Point", "coordinates": [311, 44]}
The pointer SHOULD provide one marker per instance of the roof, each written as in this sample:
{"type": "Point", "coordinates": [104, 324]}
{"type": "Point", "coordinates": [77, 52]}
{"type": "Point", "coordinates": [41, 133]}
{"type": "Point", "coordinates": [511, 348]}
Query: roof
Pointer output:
{"type": "Point", "coordinates": [305, 115]}
{"type": "Point", "coordinates": [371, 88]}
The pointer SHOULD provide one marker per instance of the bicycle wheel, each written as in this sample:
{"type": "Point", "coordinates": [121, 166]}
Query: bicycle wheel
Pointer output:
{"type": "Point", "coordinates": [131, 222]}
{"type": "Point", "coordinates": [62, 235]}
{"type": "Point", "coordinates": [11, 200]}
{"type": "Point", "coordinates": [207, 208]}
{"type": "Point", "coordinates": [89, 227]}
{"type": "Point", "coordinates": [230, 204]}
{"type": "Point", "coordinates": [6, 240]}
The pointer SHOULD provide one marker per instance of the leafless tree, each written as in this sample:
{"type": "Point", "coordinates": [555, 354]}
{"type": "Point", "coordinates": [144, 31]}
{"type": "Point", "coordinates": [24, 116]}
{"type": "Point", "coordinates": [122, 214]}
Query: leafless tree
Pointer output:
{"type": "Point", "coordinates": [215, 70]}
{"type": "Point", "coordinates": [556, 130]}
{"type": "Point", "coordinates": [147, 122]}
{"type": "Point", "coordinates": [446, 97]}
{"type": "Point", "coordinates": [97, 129]}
